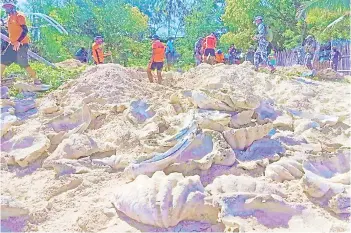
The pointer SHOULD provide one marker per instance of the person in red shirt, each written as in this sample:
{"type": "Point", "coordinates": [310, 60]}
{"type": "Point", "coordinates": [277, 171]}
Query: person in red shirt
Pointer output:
{"type": "Point", "coordinates": [157, 59]}
{"type": "Point", "coordinates": [98, 53]}
{"type": "Point", "coordinates": [17, 50]}
{"type": "Point", "coordinates": [209, 47]}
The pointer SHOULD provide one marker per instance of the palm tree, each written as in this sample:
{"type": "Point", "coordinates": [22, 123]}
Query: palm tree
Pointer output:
{"type": "Point", "coordinates": [336, 5]}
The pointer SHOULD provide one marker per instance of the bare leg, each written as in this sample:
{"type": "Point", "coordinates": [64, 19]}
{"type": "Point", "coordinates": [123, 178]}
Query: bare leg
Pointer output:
{"type": "Point", "coordinates": [212, 60]}
{"type": "Point", "coordinates": [208, 60]}
{"type": "Point", "coordinates": [3, 68]}
{"type": "Point", "coordinates": [159, 76]}
{"type": "Point", "coordinates": [150, 76]}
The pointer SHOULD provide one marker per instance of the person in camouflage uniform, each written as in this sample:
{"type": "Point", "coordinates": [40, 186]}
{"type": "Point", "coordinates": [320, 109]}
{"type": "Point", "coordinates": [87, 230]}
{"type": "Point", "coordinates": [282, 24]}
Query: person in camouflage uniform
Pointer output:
{"type": "Point", "coordinates": [198, 52]}
{"type": "Point", "coordinates": [310, 47]}
{"type": "Point", "coordinates": [261, 52]}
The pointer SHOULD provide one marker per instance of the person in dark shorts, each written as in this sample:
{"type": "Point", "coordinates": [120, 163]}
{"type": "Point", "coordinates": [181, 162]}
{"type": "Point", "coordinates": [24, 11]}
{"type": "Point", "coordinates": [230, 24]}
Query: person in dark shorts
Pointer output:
{"type": "Point", "coordinates": [209, 46]}
{"type": "Point", "coordinates": [17, 49]}
{"type": "Point", "coordinates": [157, 59]}
{"type": "Point", "coordinates": [335, 57]}
{"type": "Point", "coordinates": [232, 53]}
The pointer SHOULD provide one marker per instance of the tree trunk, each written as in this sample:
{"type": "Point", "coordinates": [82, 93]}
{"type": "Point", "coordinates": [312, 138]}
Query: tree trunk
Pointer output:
{"type": "Point", "coordinates": [169, 17]}
{"type": "Point", "coordinates": [304, 29]}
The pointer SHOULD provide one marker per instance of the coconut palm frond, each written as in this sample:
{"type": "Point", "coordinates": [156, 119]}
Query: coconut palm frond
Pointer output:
{"type": "Point", "coordinates": [337, 5]}
{"type": "Point", "coordinates": [338, 20]}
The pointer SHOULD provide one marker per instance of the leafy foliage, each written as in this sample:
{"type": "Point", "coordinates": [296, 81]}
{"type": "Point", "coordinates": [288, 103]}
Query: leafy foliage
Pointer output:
{"type": "Point", "coordinates": [333, 5]}
{"type": "Point", "coordinates": [49, 75]}
{"type": "Point", "coordinates": [204, 19]}
{"type": "Point", "coordinates": [166, 17]}
{"type": "Point", "coordinates": [127, 24]}
{"type": "Point", "coordinates": [319, 19]}
{"type": "Point", "coordinates": [279, 15]}
{"type": "Point", "coordinates": [288, 29]}
{"type": "Point", "coordinates": [123, 27]}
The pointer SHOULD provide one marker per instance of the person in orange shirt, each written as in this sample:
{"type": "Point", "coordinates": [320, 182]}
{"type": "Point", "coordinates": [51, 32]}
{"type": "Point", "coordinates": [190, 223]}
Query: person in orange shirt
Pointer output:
{"type": "Point", "coordinates": [157, 59]}
{"type": "Point", "coordinates": [17, 50]}
{"type": "Point", "coordinates": [98, 54]}
{"type": "Point", "coordinates": [209, 46]}
{"type": "Point", "coordinates": [219, 56]}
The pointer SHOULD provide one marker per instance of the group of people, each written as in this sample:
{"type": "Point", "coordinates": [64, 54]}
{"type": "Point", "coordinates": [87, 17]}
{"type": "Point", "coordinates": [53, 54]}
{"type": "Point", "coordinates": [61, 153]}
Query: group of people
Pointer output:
{"type": "Point", "coordinates": [308, 52]}
{"type": "Point", "coordinates": [160, 53]}
{"type": "Point", "coordinates": [204, 50]}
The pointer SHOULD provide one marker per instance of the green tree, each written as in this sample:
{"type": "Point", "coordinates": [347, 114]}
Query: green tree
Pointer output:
{"type": "Point", "coordinates": [122, 25]}
{"type": "Point", "coordinates": [279, 15]}
{"type": "Point", "coordinates": [204, 18]}
{"type": "Point", "coordinates": [165, 15]}
{"type": "Point", "coordinates": [342, 7]}
{"type": "Point", "coordinates": [318, 19]}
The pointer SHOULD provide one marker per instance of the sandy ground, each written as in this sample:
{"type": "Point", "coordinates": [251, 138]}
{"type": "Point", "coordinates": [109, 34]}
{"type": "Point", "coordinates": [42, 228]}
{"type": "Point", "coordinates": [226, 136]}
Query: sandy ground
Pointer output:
{"type": "Point", "coordinates": [83, 202]}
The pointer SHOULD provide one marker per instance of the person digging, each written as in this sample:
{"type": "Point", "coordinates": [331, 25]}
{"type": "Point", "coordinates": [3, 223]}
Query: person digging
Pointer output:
{"type": "Point", "coordinates": [97, 50]}
{"type": "Point", "coordinates": [157, 59]}
{"type": "Point", "coordinates": [17, 49]}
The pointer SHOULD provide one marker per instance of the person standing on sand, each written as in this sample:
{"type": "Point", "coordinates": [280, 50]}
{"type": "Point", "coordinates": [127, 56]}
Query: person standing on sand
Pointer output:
{"type": "Point", "coordinates": [310, 47]}
{"type": "Point", "coordinates": [170, 53]}
{"type": "Point", "coordinates": [17, 49]}
{"type": "Point", "coordinates": [209, 46]}
{"type": "Point", "coordinates": [232, 54]}
{"type": "Point", "coordinates": [98, 53]}
{"type": "Point", "coordinates": [300, 54]}
{"type": "Point", "coordinates": [260, 37]}
{"type": "Point", "coordinates": [157, 59]}
{"type": "Point", "coordinates": [198, 52]}
{"type": "Point", "coordinates": [335, 57]}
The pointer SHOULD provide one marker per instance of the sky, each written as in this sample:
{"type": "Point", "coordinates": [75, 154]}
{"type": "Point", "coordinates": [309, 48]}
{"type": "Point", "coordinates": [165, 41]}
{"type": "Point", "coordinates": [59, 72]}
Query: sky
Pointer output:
{"type": "Point", "coordinates": [21, 2]}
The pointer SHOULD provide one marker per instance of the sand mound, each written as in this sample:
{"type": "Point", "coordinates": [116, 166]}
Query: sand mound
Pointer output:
{"type": "Point", "coordinates": [186, 145]}
{"type": "Point", "coordinates": [69, 64]}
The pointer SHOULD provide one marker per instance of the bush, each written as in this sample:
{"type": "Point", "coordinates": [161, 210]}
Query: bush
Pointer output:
{"type": "Point", "coordinates": [47, 74]}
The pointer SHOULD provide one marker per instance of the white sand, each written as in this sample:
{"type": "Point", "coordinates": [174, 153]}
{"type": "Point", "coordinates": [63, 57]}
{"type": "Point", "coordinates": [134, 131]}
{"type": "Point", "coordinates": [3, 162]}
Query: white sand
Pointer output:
{"type": "Point", "coordinates": [82, 202]}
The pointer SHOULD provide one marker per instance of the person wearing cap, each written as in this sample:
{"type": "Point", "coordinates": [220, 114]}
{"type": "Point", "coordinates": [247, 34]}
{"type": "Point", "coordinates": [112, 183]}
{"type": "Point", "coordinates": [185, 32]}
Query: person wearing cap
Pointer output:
{"type": "Point", "coordinates": [261, 52]}
{"type": "Point", "coordinates": [17, 49]}
{"type": "Point", "coordinates": [157, 59]}
{"type": "Point", "coordinates": [219, 56]}
{"type": "Point", "coordinates": [97, 50]}
{"type": "Point", "coordinates": [209, 47]}
{"type": "Point", "coordinates": [310, 47]}
{"type": "Point", "coordinates": [198, 51]}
